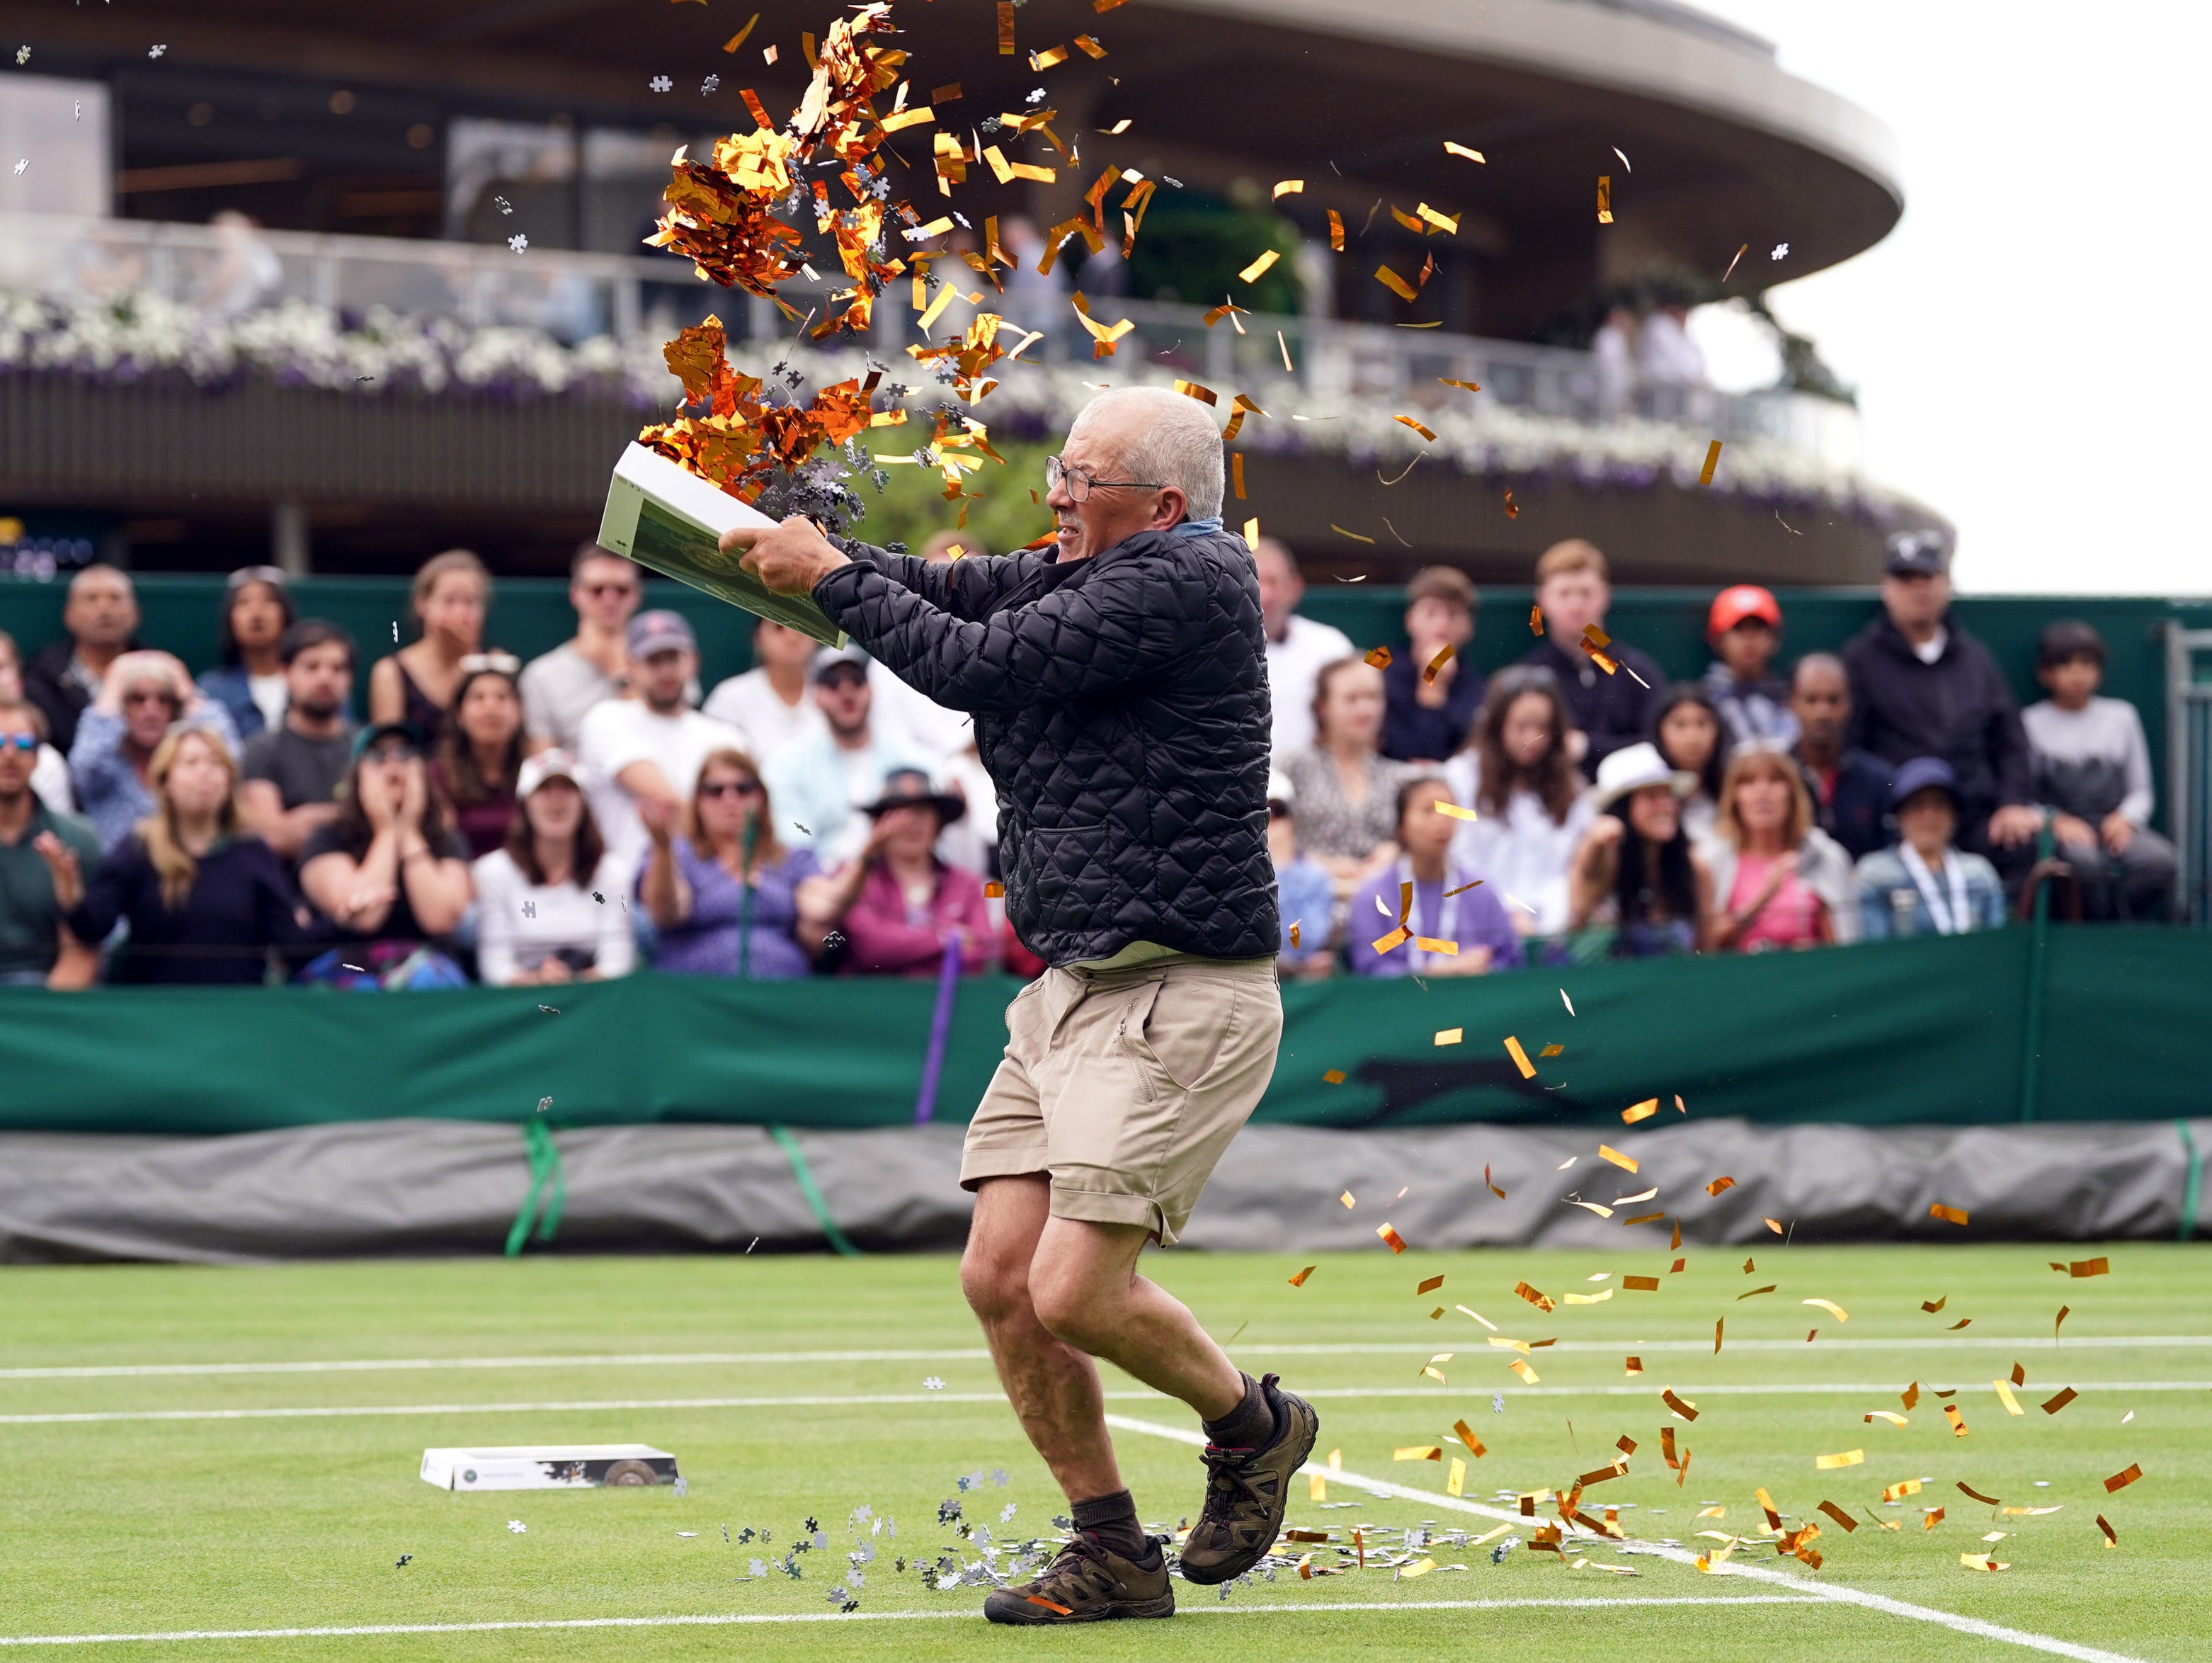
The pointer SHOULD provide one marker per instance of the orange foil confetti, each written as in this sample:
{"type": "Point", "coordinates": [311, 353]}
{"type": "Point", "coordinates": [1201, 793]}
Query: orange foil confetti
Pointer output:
{"type": "Point", "coordinates": [1513, 512]}
{"type": "Point", "coordinates": [1712, 461]}
{"type": "Point", "coordinates": [1634, 1366]}
{"type": "Point", "coordinates": [1541, 1301]}
{"type": "Point", "coordinates": [2052, 1405]}
{"type": "Point", "coordinates": [1958, 1421]}
{"type": "Point", "coordinates": [1379, 657]}
{"type": "Point", "coordinates": [1333, 1077]}
{"type": "Point", "coordinates": [1948, 1215]}
{"type": "Point", "coordinates": [1435, 665]}
{"type": "Point", "coordinates": [1642, 1110]}
{"type": "Point", "coordinates": [1686, 1409]}
{"type": "Point", "coordinates": [1431, 1285]}
{"type": "Point", "coordinates": [1397, 1242]}
{"type": "Point", "coordinates": [2111, 1535]}
{"type": "Point", "coordinates": [1640, 1284]}
{"type": "Point", "coordinates": [1718, 1184]}
{"type": "Point", "coordinates": [1520, 1058]}
{"type": "Point", "coordinates": [2122, 1480]}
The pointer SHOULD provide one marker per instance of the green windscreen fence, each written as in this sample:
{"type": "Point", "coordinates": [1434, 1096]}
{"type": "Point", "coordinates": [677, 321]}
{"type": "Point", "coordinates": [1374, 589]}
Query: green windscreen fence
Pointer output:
{"type": "Point", "coordinates": [1929, 1031]}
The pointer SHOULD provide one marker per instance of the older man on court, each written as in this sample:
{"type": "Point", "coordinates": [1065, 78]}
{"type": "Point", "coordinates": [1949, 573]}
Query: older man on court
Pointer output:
{"type": "Point", "coordinates": [1118, 685]}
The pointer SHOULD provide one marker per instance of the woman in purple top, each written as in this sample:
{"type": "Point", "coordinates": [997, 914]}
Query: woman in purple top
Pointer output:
{"type": "Point", "coordinates": [1450, 904]}
{"type": "Point", "coordinates": [696, 882]}
{"type": "Point", "coordinates": [901, 906]}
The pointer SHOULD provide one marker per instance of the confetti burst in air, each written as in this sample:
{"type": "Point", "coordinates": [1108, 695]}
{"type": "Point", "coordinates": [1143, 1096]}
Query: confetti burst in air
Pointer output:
{"type": "Point", "coordinates": [1781, 251]}
{"type": "Point", "coordinates": [1498, 1403]}
{"type": "Point", "coordinates": [518, 241]}
{"type": "Point", "coordinates": [932, 1384]}
{"type": "Point", "coordinates": [683, 1485]}
{"type": "Point", "coordinates": [517, 1526]}
{"type": "Point", "coordinates": [155, 51]}
{"type": "Point", "coordinates": [660, 84]}
{"type": "Point", "coordinates": [22, 54]}
{"type": "Point", "coordinates": [1006, 1513]}
{"type": "Point", "coordinates": [709, 85]}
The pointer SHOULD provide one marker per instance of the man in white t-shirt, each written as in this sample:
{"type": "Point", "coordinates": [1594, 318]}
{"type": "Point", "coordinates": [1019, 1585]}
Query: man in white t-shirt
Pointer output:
{"type": "Point", "coordinates": [559, 687]}
{"type": "Point", "coordinates": [814, 785]}
{"type": "Point", "coordinates": [901, 711]}
{"type": "Point", "coordinates": [1297, 648]}
{"type": "Point", "coordinates": [771, 701]}
{"type": "Point", "coordinates": [651, 746]}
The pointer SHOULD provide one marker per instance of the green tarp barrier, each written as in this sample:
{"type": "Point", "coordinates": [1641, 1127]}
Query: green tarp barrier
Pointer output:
{"type": "Point", "coordinates": [1926, 1031]}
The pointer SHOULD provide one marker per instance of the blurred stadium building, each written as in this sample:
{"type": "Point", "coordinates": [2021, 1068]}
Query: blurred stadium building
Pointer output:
{"type": "Point", "coordinates": [386, 156]}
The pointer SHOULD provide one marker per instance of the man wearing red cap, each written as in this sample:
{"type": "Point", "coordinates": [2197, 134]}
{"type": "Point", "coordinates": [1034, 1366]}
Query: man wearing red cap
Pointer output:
{"type": "Point", "coordinates": [1744, 629]}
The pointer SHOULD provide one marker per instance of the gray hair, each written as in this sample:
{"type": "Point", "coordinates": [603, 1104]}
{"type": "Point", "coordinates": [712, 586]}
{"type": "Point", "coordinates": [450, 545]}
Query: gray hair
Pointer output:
{"type": "Point", "coordinates": [1174, 441]}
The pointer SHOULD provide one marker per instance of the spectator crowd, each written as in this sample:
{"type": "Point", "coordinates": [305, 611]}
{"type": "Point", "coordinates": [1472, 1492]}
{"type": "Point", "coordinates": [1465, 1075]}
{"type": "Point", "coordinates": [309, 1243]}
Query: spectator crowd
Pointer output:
{"type": "Point", "coordinates": [596, 810]}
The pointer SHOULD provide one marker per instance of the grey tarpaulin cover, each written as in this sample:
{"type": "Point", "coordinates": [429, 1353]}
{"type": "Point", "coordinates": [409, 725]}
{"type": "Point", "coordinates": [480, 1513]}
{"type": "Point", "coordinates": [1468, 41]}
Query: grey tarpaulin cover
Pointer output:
{"type": "Point", "coordinates": [434, 1187]}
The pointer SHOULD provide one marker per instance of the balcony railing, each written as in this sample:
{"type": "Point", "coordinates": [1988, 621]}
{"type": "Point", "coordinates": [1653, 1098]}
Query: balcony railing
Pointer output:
{"type": "Point", "coordinates": [229, 270]}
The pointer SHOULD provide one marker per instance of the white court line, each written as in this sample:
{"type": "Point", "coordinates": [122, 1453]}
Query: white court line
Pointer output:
{"type": "Point", "coordinates": [1830, 1591]}
{"type": "Point", "coordinates": [350, 1411]}
{"type": "Point", "coordinates": [751, 1619]}
{"type": "Point", "coordinates": [723, 1359]}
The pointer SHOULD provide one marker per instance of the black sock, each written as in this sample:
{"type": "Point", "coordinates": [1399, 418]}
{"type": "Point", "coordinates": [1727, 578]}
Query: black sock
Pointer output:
{"type": "Point", "coordinates": [1248, 1426]}
{"type": "Point", "coordinates": [1111, 1520]}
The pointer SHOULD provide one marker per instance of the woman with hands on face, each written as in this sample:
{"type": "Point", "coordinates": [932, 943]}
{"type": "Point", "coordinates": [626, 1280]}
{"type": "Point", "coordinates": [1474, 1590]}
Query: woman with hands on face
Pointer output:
{"type": "Point", "coordinates": [142, 696]}
{"type": "Point", "coordinates": [390, 873]}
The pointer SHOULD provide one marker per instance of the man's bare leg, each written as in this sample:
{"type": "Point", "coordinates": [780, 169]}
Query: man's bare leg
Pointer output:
{"type": "Point", "coordinates": [1052, 1386]}
{"type": "Point", "coordinates": [1084, 1288]}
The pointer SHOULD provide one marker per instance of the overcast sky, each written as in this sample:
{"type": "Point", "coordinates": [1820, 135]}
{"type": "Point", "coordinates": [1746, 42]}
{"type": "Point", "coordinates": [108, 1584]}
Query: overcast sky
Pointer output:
{"type": "Point", "coordinates": [2030, 343]}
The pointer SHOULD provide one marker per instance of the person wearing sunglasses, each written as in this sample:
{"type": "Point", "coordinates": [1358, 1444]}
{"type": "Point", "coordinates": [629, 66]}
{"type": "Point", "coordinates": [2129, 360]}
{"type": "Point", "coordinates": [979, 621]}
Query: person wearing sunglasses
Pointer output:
{"type": "Point", "coordinates": [36, 947]}
{"type": "Point", "coordinates": [560, 687]}
{"type": "Point", "coordinates": [1118, 684]}
{"type": "Point", "coordinates": [143, 696]}
{"type": "Point", "coordinates": [719, 883]}
{"type": "Point", "coordinates": [49, 777]}
{"type": "Point", "coordinates": [549, 903]}
{"type": "Point", "coordinates": [248, 680]}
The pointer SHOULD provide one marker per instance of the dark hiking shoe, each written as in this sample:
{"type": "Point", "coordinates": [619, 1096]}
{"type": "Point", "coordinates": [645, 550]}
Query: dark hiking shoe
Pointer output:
{"type": "Point", "coordinates": [1247, 1492]}
{"type": "Point", "coordinates": [1088, 1583]}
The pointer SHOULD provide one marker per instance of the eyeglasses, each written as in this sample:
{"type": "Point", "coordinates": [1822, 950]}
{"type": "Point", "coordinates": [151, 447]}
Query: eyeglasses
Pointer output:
{"type": "Point", "coordinates": [1080, 485]}
{"type": "Point", "coordinates": [731, 789]}
{"type": "Point", "coordinates": [506, 664]}
{"type": "Point", "coordinates": [18, 742]}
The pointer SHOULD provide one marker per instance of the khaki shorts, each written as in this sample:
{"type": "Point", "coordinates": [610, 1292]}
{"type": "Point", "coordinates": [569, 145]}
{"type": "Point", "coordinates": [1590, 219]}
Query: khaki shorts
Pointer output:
{"type": "Point", "coordinates": [1126, 1085]}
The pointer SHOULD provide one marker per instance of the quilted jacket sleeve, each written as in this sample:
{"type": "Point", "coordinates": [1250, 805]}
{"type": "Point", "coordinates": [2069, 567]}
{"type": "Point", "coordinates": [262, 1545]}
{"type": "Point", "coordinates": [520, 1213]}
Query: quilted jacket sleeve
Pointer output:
{"type": "Point", "coordinates": [1125, 622]}
{"type": "Point", "coordinates": [968, 588]}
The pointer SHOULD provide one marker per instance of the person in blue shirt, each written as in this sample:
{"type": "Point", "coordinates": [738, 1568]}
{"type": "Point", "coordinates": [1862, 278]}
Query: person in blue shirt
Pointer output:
{"type": "Point", "coordinates": [1923, 886]}
{"type": "Point", "coordinates": [1457, 923]}
{"type": "Point", "coordinates": [249, 681]}
{"type": "Point", "coordinates": [1304, 896]}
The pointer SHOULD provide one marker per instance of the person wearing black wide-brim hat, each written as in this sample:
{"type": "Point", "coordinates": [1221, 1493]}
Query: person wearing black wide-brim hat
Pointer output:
{"type": "Point", "coordinates": [899, 907]}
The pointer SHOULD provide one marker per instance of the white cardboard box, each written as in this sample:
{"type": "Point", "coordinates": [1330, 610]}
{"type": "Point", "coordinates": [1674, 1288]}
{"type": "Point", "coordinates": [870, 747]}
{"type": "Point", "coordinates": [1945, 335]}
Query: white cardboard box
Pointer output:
{"type": "Point", "coordinates": [548, 1467]}
{"type": "Point", "coordinates": [663, 517]}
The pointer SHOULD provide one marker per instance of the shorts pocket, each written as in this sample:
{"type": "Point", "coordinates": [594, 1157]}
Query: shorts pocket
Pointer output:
{"type": "Point", "coordinates": [1181, 1027]}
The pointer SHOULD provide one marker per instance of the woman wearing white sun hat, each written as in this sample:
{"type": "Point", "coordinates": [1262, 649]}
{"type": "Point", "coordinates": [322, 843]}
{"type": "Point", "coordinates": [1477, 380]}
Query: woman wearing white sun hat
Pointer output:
{"type": "Point", "coordinates": [1635, 872]}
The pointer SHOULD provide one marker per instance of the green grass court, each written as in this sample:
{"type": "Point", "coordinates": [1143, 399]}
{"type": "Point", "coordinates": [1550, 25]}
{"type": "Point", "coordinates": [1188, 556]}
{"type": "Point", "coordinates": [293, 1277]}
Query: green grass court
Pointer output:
{"type": "Point", "coordinates": [194, 1510]}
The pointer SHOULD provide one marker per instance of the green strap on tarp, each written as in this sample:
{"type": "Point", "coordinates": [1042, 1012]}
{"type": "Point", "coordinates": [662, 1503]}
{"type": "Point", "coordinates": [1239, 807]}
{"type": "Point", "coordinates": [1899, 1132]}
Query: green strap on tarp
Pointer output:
{"type": "Point", "coordinates": [2192, 1186]}
{"type": "Point", "coordinates": [548, 1182]}
{"type": "Point", "coordinates": [812, 1191]}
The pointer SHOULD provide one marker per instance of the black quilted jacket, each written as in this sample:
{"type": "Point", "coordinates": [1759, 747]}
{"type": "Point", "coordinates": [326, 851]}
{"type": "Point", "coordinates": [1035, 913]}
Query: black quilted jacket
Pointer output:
{"type": "Point", "coordinates": [1120, 705]}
